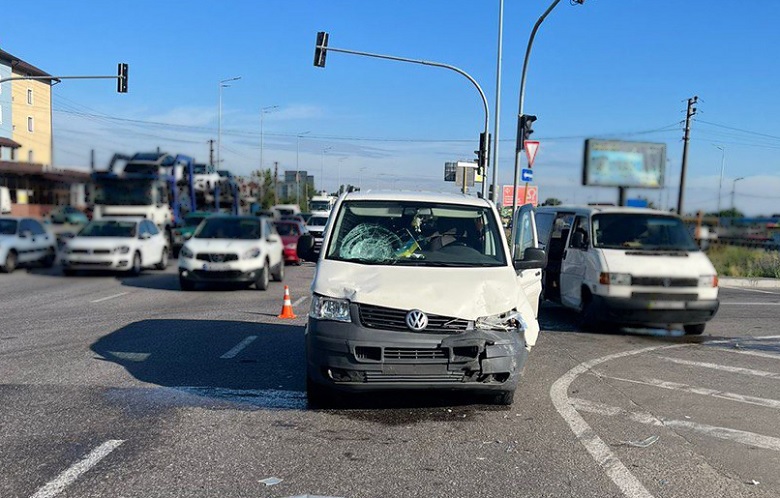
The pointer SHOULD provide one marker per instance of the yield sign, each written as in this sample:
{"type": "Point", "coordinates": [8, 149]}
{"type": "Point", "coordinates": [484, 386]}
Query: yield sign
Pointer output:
{"type": "Point", "coordinates": [531, 146]}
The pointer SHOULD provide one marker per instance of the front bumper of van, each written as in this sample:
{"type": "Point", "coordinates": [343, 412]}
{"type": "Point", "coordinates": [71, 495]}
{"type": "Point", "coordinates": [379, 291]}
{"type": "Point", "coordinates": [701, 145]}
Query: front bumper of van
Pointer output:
{"type": "Point", "coordinates": [632, 311]}
{"type": "Point", "coordinates": [351, 358]}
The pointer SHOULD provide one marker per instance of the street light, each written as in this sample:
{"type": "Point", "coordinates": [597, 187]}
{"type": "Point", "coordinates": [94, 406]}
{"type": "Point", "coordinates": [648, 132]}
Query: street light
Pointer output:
{"type": "Point", "coordinates": [519, 146]}
{"type": "Point", "coordinates": [733, 188]}
{"type": "Point", "coordinates": [722, 167]}
{"type": "Point", "coordinates": [222, 84]}
{"type": "Point", "coordinates": [322, 165]}
{"type": "Point", "coordinates": [263, 112]}
{"type": "Point", "coordinates": [297, 168]}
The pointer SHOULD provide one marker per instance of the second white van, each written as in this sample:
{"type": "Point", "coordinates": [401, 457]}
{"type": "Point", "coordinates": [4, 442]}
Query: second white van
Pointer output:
{"type": "Point", "coordinates": [626, 266]}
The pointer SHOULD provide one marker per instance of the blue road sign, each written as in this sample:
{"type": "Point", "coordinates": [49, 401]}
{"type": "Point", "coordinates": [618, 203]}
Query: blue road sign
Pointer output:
{"type": "Point", "coordinates": [527, 175]}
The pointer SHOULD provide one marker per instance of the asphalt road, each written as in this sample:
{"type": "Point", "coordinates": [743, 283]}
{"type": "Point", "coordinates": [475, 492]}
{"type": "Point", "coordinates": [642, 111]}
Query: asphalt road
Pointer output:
{"type": "Point", "coordinates": [128, 387]}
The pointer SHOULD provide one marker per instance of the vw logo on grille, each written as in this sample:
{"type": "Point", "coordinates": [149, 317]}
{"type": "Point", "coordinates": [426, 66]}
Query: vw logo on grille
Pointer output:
{"type": "Point", "coordinates": [667, 282]}
{"type": "Point", "coordinates": [217, 258]}
{"type": "Point", "coordinates": [416, 320]}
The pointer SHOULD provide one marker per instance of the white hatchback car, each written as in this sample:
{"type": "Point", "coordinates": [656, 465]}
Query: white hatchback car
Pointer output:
{"type": "Point", "coordinates": [25, 240]}
{"type": "Point", "coordinates": [244, 249]}
{"type": "Point", "coordinates": [120, 244]}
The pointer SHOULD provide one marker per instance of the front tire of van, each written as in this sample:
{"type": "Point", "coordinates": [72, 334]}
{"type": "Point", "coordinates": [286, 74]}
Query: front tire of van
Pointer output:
{"type": "Point", "coordinates": [694, 328]}
{"type": "Point", "coordinates": [319, 396]}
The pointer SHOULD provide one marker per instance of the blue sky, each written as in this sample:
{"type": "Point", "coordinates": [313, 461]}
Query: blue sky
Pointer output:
{"type": "Point", "coordinates": [606, 69]}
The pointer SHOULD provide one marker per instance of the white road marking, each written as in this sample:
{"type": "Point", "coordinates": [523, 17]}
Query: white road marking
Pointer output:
{"type": "Point", "coordinates": [300, 300]}
{"type": "Point", "coordinates": [238, 347]}
{"type": "Point", "coordinates": [725, 368]}
{"type": "Point", "coordinates": [751, 353]}
{"type": "Point", "coordinates": [66, 478]}
{"type": "Point", "coordinates": [738, 436]}
{"type": "Point", "coordinates": [109, 297]}
{"type": "Point", "coordinates": [674, 386]}
{"type": "Point", "coordinates": [749, 304]}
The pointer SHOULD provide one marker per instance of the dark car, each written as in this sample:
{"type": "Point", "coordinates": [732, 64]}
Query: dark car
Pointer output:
{"type": "Point", "coordinates": [68, 214]}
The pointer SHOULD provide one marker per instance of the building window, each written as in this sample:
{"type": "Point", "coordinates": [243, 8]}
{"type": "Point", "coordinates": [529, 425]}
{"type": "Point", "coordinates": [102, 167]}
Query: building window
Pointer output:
{"type": "Point", "coordinates": [30, 124]}
{"type": "Point", "coordinates": [29, 156]}
{"type": "Point", "coordinates": [29, 96]}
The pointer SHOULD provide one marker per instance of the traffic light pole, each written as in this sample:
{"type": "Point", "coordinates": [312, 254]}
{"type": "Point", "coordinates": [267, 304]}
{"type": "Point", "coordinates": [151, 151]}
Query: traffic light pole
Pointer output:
{"type": "Point", "coordinates": [120, 78]}
{"type": "Point", "coordinates": [486, 152]}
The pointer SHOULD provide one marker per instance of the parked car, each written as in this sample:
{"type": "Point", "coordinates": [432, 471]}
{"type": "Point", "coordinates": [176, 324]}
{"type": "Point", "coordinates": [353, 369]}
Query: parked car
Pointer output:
{"type": "Point", "coordinates": [189, 224]}
{"type": "Point", "coordinates": [121, 244]}
{"type": "Point", "coordinates": [68, 214]}
{"type": "Point", "coordinates": [205, 177]}
{"type": "Point", "coordinates": [316, 227]}
{"type": "Point", "coordinates": [290, 230]}
{"type": "Point", "coordinates": [244, 249]}
{"type": "Point", "coordinates": [24, 241]}
{"type": "Point", "coordinates": [420, 291]}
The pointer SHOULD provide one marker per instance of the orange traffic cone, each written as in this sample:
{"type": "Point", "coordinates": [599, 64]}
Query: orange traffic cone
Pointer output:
{"type": "Point", "coordinates": [287, 311]}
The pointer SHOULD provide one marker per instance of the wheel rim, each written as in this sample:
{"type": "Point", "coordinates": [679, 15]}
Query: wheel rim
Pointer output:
{"type": "Point", "coordinates": [10, 261]}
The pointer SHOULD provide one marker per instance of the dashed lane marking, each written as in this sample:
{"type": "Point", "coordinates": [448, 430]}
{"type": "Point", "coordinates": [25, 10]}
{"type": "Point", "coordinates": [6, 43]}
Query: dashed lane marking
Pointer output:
{"type": "Point", "coordinates": [109, 297]}
{"type": "Point", "coordinates": [67, 478]}
{"type": "Point", "coordinates": [238, 347]}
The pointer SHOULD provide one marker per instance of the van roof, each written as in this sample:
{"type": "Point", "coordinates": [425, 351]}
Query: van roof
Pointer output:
{"type": "Point", "coordinates": [415, 196]}
{"type": "Point", "coordinates": [603, 209]}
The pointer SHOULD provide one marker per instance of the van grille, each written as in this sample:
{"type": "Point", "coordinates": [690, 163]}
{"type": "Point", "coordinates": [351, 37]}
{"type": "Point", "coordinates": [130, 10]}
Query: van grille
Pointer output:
{"type": "Point", "coordinates": [665, 281]}
{"type": "Point", "coordinates": [376, 317]}
{"type": "Point", "coordinates": [416, 354]}
{"type": "Point", "coordinates": [660, 296]}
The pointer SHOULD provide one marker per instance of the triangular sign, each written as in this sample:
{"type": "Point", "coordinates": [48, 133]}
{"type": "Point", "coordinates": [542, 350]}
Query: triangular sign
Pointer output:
{"type": "Point", "coordinates": [531, 146]}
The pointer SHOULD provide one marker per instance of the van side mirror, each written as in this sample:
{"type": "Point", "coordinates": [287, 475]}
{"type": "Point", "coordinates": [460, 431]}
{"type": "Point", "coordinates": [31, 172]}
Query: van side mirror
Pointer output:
{"type": "Point", "coordinates": [306, 247]}
{"type": "Point", "coordinates": [532, 258]}
{"type": "Point", "coordinates": [579, 240]}
{"type": "Point", "coordinates": [26, 234]}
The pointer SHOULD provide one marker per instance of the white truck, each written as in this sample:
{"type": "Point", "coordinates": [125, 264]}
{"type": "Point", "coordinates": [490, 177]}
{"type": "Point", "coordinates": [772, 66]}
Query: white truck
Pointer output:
{"type": "Point", "coordinates": [5, 200]}
{"type": "Point", "coordinates": [322, 204]}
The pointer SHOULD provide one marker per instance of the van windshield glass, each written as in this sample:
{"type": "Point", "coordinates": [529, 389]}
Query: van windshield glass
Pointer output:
{"type": "Point", "coordinates": [320, 205]}
{"type": "Point", "coordinates": [416, 234]}
{"type": "Point", "coordinates": [647, 232]}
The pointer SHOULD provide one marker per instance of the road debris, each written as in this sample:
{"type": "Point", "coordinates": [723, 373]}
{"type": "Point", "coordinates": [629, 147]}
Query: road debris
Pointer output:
{"type": "Point", "coordinates": [270, 481]}
{"type": "Point", "coordinates": [753, 482]}
{"type": "Point", "coordinates": [643, 443]}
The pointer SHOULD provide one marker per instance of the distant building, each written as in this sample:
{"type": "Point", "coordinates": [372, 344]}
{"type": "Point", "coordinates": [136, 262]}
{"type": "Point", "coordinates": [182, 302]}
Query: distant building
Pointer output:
{"type": "Point", "coordinates": [291, 188]}
{"type": "Point", "coordinates": [26, 144]}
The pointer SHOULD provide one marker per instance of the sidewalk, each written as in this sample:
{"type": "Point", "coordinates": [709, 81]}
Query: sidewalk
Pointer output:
{"type": "Point", "coordinates": [750, 283]}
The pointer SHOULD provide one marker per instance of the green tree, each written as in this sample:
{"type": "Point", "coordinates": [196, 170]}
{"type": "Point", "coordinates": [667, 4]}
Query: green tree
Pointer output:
{"type": "Point", "coordinates": [552, 201]}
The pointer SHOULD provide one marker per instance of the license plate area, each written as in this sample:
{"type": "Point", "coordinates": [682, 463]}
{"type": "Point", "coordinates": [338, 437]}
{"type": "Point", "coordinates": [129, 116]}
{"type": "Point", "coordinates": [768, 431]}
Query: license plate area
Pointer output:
{"type": "Point", "coordinates": [216, 267]}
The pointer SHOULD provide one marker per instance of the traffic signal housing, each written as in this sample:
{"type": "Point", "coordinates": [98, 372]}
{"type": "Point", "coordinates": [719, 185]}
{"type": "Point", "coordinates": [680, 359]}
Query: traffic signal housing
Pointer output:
{"type": "Point", "coordinates": [320, 50]}
{"type": "Point", "coordinates": [121, 82]}
{"type": "Point", "coordinates": [525, 128]}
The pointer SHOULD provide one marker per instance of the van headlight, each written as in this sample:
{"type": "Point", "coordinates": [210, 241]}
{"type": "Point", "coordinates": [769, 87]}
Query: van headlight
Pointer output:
{"type": "Point", "coordinates": [615, 278]}
{"type": "Point", "coordinates": [251, 254]}
{"type": "Point", "coordinates": [708, 281]}
{"type": "Point", "coordinates": [328, 308]}
{"type": "Point", "coordinates": [508, 321]}
{"type": "Point", "coordinates": [122, 250]}
{"type": "Point", "coordinates": [186, 253]}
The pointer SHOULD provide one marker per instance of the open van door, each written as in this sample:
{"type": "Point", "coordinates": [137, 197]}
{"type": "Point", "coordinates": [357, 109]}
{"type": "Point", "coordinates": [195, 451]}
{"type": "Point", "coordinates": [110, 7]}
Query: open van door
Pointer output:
{"type": "Point", "coordinates": [527, 263]}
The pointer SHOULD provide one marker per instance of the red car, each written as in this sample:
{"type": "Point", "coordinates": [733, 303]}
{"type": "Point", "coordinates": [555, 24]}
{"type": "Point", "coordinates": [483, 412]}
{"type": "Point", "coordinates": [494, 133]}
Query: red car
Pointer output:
{"type": "Point", "coordinates": [290, 231]}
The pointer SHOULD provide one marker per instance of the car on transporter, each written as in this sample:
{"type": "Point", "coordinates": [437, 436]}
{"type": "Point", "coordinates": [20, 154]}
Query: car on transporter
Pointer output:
{"type": "Point", "coordinates": [232, 249]}
{"type": "Point", "coordinates": [125, 244]}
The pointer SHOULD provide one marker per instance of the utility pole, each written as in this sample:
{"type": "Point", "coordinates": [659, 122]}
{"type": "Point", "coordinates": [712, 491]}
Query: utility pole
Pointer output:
{"type": "Point", "coordinates": [686, 138]}
{"type": "Point", "coordinates": [276, 181]}
{"type": "Point", "coordinates": [211, 152]}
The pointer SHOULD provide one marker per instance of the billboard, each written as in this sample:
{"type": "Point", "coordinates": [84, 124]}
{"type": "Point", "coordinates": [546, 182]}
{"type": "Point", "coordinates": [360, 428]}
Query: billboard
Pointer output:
{"type": "Point", "coordinates": [531, 198]}
{"type": "Point", "coordinates": [449, 171]}
{"type": "Point", "coordinates": [615, 163]}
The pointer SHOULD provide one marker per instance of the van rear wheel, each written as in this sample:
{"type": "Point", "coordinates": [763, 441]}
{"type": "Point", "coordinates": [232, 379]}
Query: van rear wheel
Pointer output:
{"type": "Point", "coordinates": [587, 319]}
{"type": "Point", "coordinates": [694, 329]}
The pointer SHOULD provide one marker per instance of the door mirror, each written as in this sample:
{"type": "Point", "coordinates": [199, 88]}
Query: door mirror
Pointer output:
{"type": "Point", "coordinates": [145, 236]}
{"type": "Point", "coordinates": [25, 234]}
{"type": "Point", "coordinates": [532, 258]}
{"type": "Point", "coordinates": [579, 240]}
{"type": "Point", "coordinates": [306, 247]}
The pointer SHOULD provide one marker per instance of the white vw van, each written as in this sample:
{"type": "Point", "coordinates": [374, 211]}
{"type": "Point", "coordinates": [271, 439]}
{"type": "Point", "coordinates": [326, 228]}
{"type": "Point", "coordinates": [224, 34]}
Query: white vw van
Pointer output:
{"type": "Point", "coordinates": [419, 291]}
{"type": "Point", "coordinates": [626, 266]}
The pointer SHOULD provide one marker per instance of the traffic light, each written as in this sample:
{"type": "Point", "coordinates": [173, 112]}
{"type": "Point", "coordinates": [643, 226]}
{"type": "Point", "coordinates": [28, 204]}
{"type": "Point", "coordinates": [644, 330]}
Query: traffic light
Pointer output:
{"type": "Point", "coordinates": [320, 50]}
{"type": "Point", "coordinates": [525, 128]}
{"type": "Point", "coordinates": [121, 82]}
{"type": "Point", "coordinates": [483, 152]}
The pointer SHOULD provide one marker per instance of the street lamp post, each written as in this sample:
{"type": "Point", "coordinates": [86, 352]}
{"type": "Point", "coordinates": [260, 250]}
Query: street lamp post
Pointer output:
{"type": "Point", "coordinates": [297, 168]}
{"type": "Point", "coordinates": [222, 84]}
{"type": "Point", "coordinates": [733, 188]}
{"type": "Point", "coordinates": [263, 112]}
{"type": "Point", "coordinates": [722, 167]}
{"type": "Point", "coordinates": [519, 146]}
{"type": "Point", "coordinates": [322, 166]}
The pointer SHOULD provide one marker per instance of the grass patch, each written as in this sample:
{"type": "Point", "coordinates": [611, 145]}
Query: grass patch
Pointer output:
{"type": "Point", "coordinates": [733, 261]}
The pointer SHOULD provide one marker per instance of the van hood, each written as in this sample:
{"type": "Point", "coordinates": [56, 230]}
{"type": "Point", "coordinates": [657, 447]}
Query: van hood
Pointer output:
{"type": "Point", "coordinates": [667, 264]}
{"type": "Point", "coordinates": [466, 293]}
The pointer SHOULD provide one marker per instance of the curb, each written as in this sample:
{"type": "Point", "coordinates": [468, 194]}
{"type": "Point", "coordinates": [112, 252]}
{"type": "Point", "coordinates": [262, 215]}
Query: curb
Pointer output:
{"type": "Point", "coordinates": [749, 283]}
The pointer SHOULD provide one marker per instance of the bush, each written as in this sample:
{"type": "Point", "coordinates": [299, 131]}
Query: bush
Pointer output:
{"type": "Point", "coordinates": [733, 261]}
